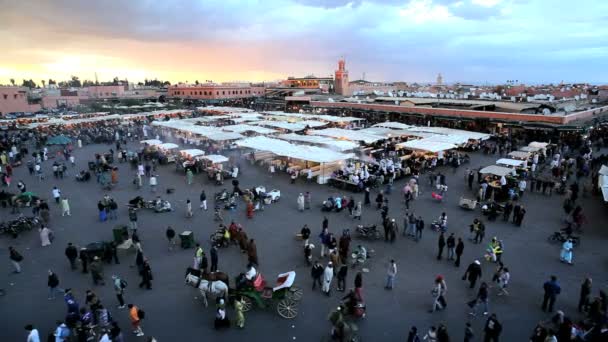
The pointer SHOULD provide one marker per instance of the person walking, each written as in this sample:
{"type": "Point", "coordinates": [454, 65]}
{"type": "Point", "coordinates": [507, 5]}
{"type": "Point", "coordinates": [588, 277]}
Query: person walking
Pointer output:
{"type": "Point", "coordinates": [153, 183]}
{"type": "Point", "coordinates": [71, 252]}
{"type": "Point", "coordinates": [203, 199]}
{"type": "Point", "coordinates": [482, 298]}
{"type": "Point", "coordinates": [492, 329]}
{"type": "Point", "coordinates": [390, 275]}
{"type": "Point", "coordinates": [468, 332]}
{"type": "Point", "coordinates": [170, 234]}
{"type": "Point", "coordinates": [472, 273]}
{"type": "Point", "coordinates": [56, 194]}
{"type": "Point", "coordinates": [189, 176]}
{"type": "Point", "coordinates": [328, 276]}
{"type": "Point", "coordinates": [459, 250]}
{"type": "Point", "coordinates": [16, 259]}
{"type": "Point", "coordinates": [342, 272]}
{"type": "Point", "coordinates": [32, 333]}
{"type": "Point", "coordinates": [214, 258]}
{"type": "Point", "coordinates": [136, 315]}
{"type": "Point", "coordinates": [189, 213]}
{"type": "Point", "coordinates": [316, 274]}
{"type": "Point", "coordinates": [146, 276]}
{"type": "Point", "coordinates": [46, 236]}
{"type": "Point", "coordinates": [240, 316]}
{"type": "Point", "coordinates": [503, 281]}
{"type": "Point", "coordinates": [252, 252]}
{"type": "Point", "coordinates": [113, 206]}
{"type": "Point", "coordinates": [440, 245]}
{"type": "Point", "coordinates": [65, 207]}
{"type": "Point", "coordinates": [451, 244]}
{"type": "Point", "coordinates": [438, 292]}
{"type": "Point", "coordinates": [583, 299]}
{"type": "Point", "coordinates": [133, 219]}
{"type": "Point", "coordinates": [566, 253]}
{"type": "Point", "coordinates": [357, 212]}
{"type": "Point", "coordinates": [552, 290]}
{"type": "Point", "coordinates": [300, 201]}
{"type": "Point", "coordinates": [97, 271]}
{"type": "Point", "coordinates": [412, 335]}
{"type": "Point", "coordinates": [53, 284]}
{"type": "Point", "coordinates": [119, 289]}
{"type": "Point", "coordinates": [419, 228]}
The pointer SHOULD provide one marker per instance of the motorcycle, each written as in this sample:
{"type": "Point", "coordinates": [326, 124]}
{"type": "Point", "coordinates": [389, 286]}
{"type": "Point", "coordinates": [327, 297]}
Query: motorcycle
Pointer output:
{"type": "Point", "coordinates": [561, 237]}
{"type": "Point", "coordinates": [19, 225]}
{"type": "Point", "coordinates": [368, 232]}
{"type": "Point", "coordinates": [222, 196]}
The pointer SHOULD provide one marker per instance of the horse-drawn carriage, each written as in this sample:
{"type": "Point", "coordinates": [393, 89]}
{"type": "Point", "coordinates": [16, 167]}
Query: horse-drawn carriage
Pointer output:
{"type": "Point", "coordinates": [284, 294]}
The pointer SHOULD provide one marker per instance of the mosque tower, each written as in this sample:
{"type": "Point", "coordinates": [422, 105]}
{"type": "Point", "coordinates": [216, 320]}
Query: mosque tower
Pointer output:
{"type": "Point", "coordinates": [341, 79]}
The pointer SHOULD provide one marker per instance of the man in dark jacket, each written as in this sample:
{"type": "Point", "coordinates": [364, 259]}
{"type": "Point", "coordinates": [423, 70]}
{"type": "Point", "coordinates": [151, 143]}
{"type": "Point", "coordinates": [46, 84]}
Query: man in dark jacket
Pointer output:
{"type": "Point", "coordinates": [419, 228]}
{"type": "Point", "coordinates": [441, 245]}
{"type": "Point", "coordinates": [72, 254]}
{"type": "Point", "coordinates": [451, 244]}
{"type": "Point", "coordinates": [459, 250]}
{"type": "Point", "coordinates": [146, 276]}
{"type": "Point", "coordinates": [316, 273]}
{"type": "Point", "coordinates": [472, 273]}
{"type": "Point", "coordinates": [84, 259]}
{"type": "Point", "coordinates": [342, 272]}
{"type": "Point", "coordinates": [213, 258]}
{"type": "Point", "coordinates": [552, 289]}
{"type": "Point", "coordinates": [492, 329]}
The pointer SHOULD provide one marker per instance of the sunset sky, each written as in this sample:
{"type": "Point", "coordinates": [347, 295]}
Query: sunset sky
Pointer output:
{"type": "Point", "coordinates": [224, 40]}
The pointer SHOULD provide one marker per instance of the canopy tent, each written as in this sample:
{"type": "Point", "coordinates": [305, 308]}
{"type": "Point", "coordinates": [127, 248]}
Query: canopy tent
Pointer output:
{"type": "Point", "coordinates": [510, 162]}
{"type": "Point", "coordinates": [530, 149]}
{"type": "Point", "coordinates": [339, 145]}
{"type": "Point", "coordinates": [221, 136]}
{"type": "Point", "coordinates": [329, 118]}
{"type": "Point", "coordinates": [385, 132]}
{"type": "Point", "coordinates": [519, 155]}
{"type": "Point", "coordinates": [167, 146]}
{"type": "Point", "coordinates": [215, 158]}
{"type": "Point", "coordinates": [347, 134]}
{"type": "Point", "coordinates": [248, 128]}
{"type": "Point", "coordinates": [394, 125]}
{"type": "Point", "coordinates": [450, 131]}
{"type": "Point", "coordinates": [284, 148]}
{"type": "Point", "coordinates": [240, 120]}
{"type": "Point", "coordinates": [192, 153]}
{"type": "Point", "coordinates": [451, 139]}
{"type": "Point", "coordinates": [538, 144]}
{"type": "Point", "coordinates": [152, 142]}
{"type": "Point", "coordinates": [426, 145]}
{"type": "Point", "coordinates": [603, 170]}
{"type": "Point", "coordinates": [290, 126]}
{"type": "Point", "coordinates": [496, 170]}
{"type": "Point", "coordinates": [58, 140]}
{"type": "Point", "coordinates": [603, 185]}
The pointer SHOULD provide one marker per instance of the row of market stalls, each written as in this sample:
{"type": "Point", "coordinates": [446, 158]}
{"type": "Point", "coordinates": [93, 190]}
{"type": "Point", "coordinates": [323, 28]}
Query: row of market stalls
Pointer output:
{"type": "Point", "coordinates": [74, 120]}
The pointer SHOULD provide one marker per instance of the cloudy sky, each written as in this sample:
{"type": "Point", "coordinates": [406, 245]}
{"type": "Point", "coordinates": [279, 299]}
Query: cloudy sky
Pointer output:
{"type": "Point", "coordinates": [227, 40]}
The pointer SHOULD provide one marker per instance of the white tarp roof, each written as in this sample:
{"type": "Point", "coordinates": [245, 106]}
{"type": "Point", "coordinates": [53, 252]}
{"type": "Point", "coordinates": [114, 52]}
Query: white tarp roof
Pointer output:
{"type": "Point", "coordinates": [394, 125]}
{"type": "Point", "coordinates": [603, 170]}
{"type": "Point", "coordinates": [530, 149]}
{"type": "Point", "coordinates": [509, 162]}
{"type": "Point", "coordinates": [449, 131]}
{"type": "Point", "coordinates": [193, 152]}
{"type": "Point", "coordinates": [451, 139]}
{"type": "Point", "coordinates": [340, 145]}
{"type": "Point", "coordinates": [221, 136]}
{"type": "Point", "coordinates": [248, 128]}
{"type": "Point", "coordinates": [603, 185]}
{"type": "Point", "coordinates": [519, 154]}
{"type": "Point", "coordinates": [167, 146]}
{"type": "Point", "coordinates": [290, 126]}
{"type": "Point", "coordinates": [427, 145]}
{"type": "Point", "coordinates": [329, 118]}
{"type": "Point", "coordinates": [496, 170]}
{"type": "Point", "coordinates": [151, 142]}
{"type": "Point", "coordinates": [215, 158]}
{"type": "Point", "coordinates": [284, 148]}
{"type": "Point", "coordinates": [348, 135]}
{"type": "Point", "coordinates": [538, 144]}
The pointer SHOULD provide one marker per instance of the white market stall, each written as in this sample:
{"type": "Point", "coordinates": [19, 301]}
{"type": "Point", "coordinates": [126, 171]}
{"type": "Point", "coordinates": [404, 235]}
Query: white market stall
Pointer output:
{"type": "Point", "coordinates": [510, 162]}
{"type": "Point", "coordinates": [519, 155]}
{"type": "Point", "coordinates": [538, 144]}
{"type": "Point", "coordinates": [427, 145]}
{"type": "Point", "coordinates": [298, 156]}
{"type": "Point", "coordinates": [530, 149]}
{"type": "Point", "coordinates": [603, 182]}
{"type": "Point", "coordinates": [496, 171]}
{"type": "Point", "coordinates": [393, 125]}
{"type": "Point", "coordinates": [347, 134]}
{"type": "Point", "coordinates": [248, 128]}
{"type": "Point", "coordinates": [334, 144]}
{"type": "Point", "coordinates": [151, 142]}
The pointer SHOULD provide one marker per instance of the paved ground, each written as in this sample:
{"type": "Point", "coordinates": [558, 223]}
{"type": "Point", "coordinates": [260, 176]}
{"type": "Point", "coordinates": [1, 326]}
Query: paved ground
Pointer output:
{"type": "Point", "coordinates": [174, 313]}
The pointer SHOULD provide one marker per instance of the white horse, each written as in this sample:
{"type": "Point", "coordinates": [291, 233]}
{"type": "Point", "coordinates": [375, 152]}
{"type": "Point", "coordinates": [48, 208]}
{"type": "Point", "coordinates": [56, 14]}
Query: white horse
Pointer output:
{"type": "Point", "coordinates": [217, 288]}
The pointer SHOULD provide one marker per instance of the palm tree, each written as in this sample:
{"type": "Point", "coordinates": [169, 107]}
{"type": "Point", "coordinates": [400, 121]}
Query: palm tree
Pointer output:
{"type": "Point", "coordinates": [12, 81]}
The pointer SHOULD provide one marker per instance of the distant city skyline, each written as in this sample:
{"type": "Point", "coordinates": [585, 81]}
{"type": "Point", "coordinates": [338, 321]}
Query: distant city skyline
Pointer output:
{"type": "Point", "coordinates": [467, 41]}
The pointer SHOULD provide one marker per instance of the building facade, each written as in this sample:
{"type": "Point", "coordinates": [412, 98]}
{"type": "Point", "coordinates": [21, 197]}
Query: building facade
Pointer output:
{"type": "Point", "coordinates": [214, 91]}
{"type": "Point", "coordinates": [326, 84]}
{"type": "Point", "coordinates": [341, 79]}
{"type": "Point", "coordinates": [16, 99]}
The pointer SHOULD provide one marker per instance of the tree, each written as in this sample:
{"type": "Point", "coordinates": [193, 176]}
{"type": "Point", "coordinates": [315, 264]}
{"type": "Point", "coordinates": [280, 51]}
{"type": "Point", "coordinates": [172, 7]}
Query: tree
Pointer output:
{"type": "Point", "coordinates": [12, 81]}
{"type": "Point", "coordinates": [29, 83]}
{"type": "Point", "coordinates": [196, 82]}
{"type": "Point", "coordinates": [140, 83]}
{"type": "Point", "coordinates": [166, 83]}
{"type": "Point", "coordinates": [115, 81]}
{"type": "Point", "coordinates": [87, 83]}
{"type": "Point", "coordinates": [52, 81]}
{"type": "Point", "coordinates": [43, 83]}
{"type": "Point", "coordinates": [75, 82]}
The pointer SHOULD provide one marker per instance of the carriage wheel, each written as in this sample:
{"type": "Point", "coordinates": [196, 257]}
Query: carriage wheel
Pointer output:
{"type": "Point", "coordinates": [247, 303]}
{"type": "Point", "coordinates": [295, 293]}
{"type": "Point", "coordinates": [287, 308]}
